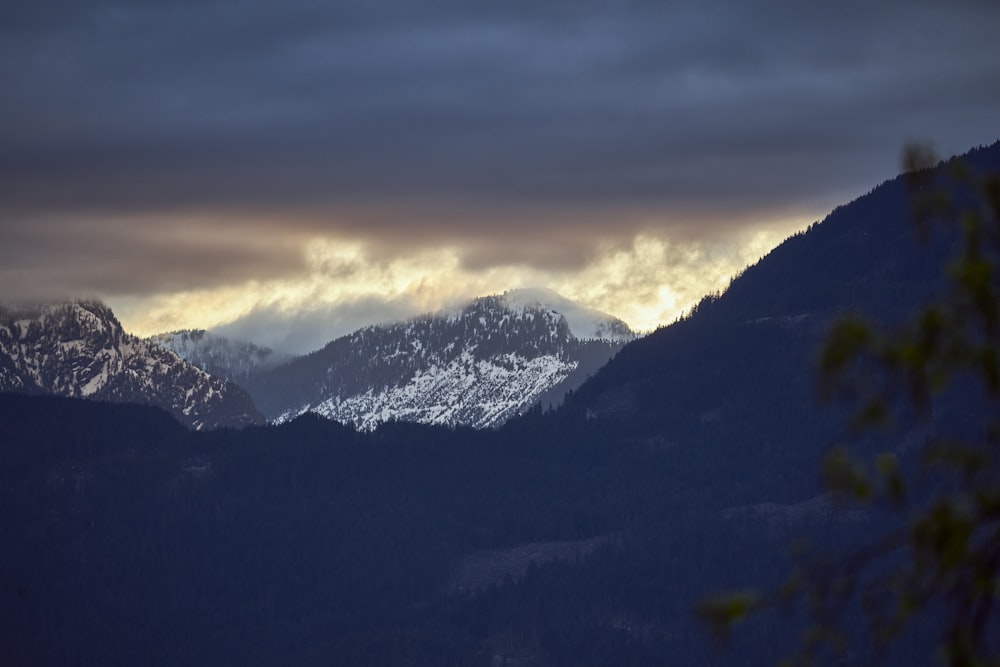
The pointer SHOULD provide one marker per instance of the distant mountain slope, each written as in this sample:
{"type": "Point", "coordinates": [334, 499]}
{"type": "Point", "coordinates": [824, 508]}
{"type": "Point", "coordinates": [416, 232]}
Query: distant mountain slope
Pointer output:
{"type": "Point", "coordinates": [478, 366]}
{"type": "Point", "coordinates": [79, 349]}
{"type": "Point", "coordinates": [222, 357]}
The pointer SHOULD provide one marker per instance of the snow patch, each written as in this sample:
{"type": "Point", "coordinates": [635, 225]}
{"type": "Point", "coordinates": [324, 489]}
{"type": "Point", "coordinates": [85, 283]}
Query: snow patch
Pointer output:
{"type": "Point", "coordinates": [480, 393]}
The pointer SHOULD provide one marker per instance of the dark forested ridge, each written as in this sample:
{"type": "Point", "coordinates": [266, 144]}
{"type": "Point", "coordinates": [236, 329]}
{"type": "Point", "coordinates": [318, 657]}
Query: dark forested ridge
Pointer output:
{"type": "Point", "coordinates": [686, 466]}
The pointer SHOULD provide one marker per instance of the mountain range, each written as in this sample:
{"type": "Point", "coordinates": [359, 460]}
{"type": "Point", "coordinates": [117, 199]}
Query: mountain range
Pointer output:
{"type": "Point", "coordinates": [478, 365]}
{"type": "Point", "coordinates": [583, 535]}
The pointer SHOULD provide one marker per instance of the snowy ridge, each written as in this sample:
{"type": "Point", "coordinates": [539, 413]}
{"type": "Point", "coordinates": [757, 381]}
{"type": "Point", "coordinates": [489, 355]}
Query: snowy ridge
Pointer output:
{"type": "Point", "coordinates": [478, 366]}
{"type": "Point", "coordinates": [80, 350]}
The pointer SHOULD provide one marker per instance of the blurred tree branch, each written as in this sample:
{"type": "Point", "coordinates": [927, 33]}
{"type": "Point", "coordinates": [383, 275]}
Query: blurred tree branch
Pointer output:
{"type": "Point", "coordinates": [948, 552]}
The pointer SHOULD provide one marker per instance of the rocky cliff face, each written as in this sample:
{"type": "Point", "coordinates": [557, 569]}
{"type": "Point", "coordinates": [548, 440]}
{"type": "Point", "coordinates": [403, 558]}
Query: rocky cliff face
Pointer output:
{"type": "Point", "coordinates": [79, 349]}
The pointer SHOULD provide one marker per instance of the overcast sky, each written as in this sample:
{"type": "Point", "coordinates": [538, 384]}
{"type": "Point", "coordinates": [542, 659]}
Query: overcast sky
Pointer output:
{"type": "Point", "coordinates": [280, 168]}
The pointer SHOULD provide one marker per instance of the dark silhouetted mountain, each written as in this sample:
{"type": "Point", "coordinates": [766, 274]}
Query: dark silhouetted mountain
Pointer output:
{"type": "Point", "coordinates": [79, 349]}
{"type": "Point", "coordinates": [477, 366]}
{"type": "Point", "coordinates": [234, 360]}
{"type": "Point", "coordinates": [736, 380]}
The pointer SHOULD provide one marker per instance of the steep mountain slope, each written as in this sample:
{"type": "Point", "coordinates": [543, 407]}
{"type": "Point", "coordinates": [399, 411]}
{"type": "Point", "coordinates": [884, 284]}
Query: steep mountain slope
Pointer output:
{"type": "Point", "coordinates": [79, 349]}
{"type": "Point", "coordinates": [735, 384]}
{"type": "Point", "coordinates": [478, 366]}
{"type": "Point", "coordinates": [222, 357]}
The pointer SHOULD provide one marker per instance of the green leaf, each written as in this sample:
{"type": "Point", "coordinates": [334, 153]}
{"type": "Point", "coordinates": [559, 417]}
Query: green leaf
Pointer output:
{"type": "Point", "coordinates": [724, 611]}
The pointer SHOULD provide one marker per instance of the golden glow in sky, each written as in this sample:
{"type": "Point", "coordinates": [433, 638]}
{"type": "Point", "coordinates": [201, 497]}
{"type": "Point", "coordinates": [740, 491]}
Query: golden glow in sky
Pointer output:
{"type": "Point", "coordinates": [647, 282]}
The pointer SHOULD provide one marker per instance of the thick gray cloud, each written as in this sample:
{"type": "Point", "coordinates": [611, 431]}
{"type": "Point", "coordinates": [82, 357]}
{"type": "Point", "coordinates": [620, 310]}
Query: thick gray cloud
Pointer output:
{"type": "Point", "coordinates": [524, 131]}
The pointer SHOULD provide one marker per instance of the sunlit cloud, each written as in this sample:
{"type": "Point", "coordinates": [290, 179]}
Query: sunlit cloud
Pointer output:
{"type": "Point", "coordinates": [648, 281]}
{"type": "Point", "coordinates": [654, 280]}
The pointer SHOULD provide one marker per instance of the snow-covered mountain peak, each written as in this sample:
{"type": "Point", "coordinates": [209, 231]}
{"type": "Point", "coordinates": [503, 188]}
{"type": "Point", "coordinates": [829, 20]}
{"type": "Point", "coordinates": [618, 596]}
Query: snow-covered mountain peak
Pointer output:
{"type": "Point", "coordinates": [584, 323]}
{"type": "Point", "coordinates": [79, 349]}
{"type": "Point", "coordinates": [477, 365]}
